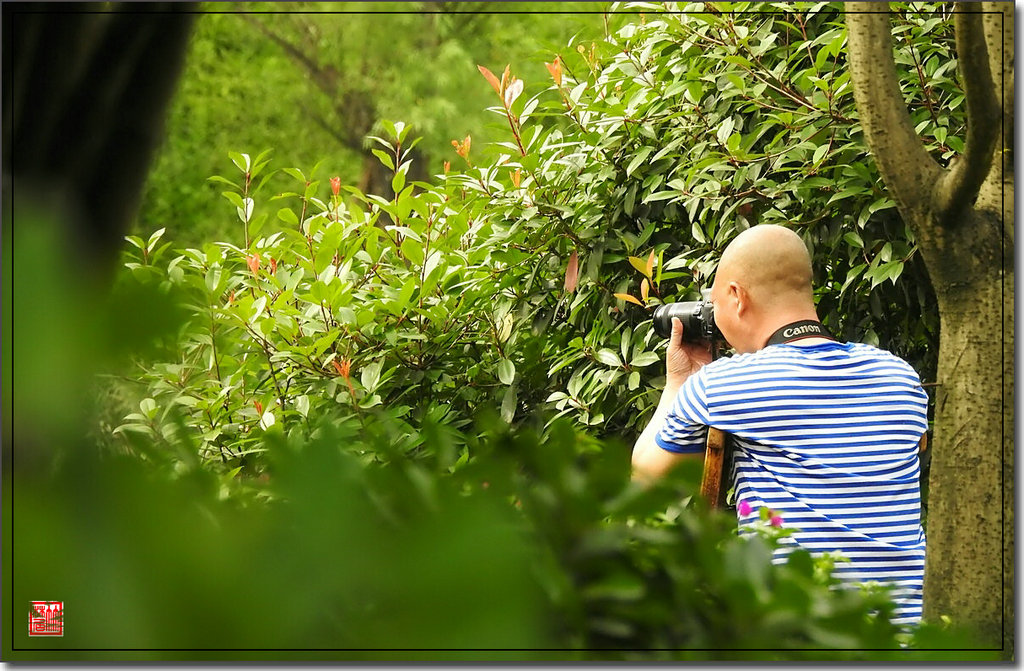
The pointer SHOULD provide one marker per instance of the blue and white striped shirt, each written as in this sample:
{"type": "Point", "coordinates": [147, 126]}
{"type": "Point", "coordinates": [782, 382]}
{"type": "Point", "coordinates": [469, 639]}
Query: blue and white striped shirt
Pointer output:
{"type": "Point", "coordinates": [826, 436]}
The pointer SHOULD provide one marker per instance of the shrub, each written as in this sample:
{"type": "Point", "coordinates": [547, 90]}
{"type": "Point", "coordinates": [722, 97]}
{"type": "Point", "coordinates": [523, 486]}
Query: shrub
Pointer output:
{"type": "Point", "coordinates": [537, 548]}
{"type": "Point", "coordinates": [528, 280]}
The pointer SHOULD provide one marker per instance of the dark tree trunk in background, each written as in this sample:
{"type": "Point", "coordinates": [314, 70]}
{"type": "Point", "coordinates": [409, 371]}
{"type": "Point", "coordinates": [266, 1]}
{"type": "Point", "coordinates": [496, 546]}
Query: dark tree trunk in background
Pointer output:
{"type": "Point", "coordinates": [86, 90]}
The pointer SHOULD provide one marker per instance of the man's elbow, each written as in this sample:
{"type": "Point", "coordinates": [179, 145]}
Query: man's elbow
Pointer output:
{"type": "Point", "coordinates": [644, 468]}
{"type": "Point", "coordinates": [653, 463]}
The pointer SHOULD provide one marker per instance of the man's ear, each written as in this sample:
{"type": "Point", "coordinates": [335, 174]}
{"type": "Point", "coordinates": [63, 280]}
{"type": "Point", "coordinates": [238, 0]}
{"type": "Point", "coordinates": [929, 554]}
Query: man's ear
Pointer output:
{"type": "Point", "coordinates": [739, 298]}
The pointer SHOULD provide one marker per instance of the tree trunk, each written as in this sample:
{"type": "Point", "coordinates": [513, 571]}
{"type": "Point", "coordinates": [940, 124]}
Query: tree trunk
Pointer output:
{"type": "Point", "coordinates": [969, 566]}
{"type": "Point", "coordinates": [86, 90]}
{"type": "Point", "coordinates": [962, 219]}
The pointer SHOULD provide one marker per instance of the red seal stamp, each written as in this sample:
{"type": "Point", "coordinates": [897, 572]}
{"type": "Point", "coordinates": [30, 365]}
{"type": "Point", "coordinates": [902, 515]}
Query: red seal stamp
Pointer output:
{"type": "Point", "coordinates": [46, 618]}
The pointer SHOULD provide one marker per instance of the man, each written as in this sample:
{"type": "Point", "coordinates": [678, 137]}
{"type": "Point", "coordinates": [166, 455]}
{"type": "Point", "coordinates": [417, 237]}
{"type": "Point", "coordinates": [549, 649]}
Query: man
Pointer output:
{"type": "Point", "coordinates": [825, 434]}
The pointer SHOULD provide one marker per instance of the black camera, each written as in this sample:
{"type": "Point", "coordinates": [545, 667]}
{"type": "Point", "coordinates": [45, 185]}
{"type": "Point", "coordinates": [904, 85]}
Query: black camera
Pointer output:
{"type": "Point", "coordinates": [698, 319]}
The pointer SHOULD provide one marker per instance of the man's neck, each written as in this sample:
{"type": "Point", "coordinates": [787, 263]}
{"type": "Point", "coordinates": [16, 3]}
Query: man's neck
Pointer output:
{"type": "Point", "coordinates": [783, 319]}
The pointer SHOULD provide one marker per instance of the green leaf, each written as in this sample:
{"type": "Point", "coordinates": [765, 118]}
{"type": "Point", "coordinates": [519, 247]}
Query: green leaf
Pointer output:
{"type": "Point", "coordinates": [851, 276]}
{"type": "Point", "coordinates": [724, 130]}
{"type": "Point", "coordinates": [412, 250]}
{"type": "Point", "coordinates": [847, 193]}
{"type": "Point", "coordinates": [245, 210]}
{"type": "Point", "coordinates": [286, 215]}
{"type": "Point", "coordinates": [508, 404]}
{"type": "Point", "coordinates": [233, 198]}
{"type": "Point", "coordinates": [608, 358]}
{"type": "Point", "coordinates": [187, 401]}
{"type": "Point", "coordinates": [213, 276]}
{"type": "Point", "coordinates": [644, 359]}
{"type": "Point", "coordinates": [384, 158]}
{"type": "Point", "coordinates": [397, 182]}
{"type": "Point", "coordinates": [627, 337]}
{"type": "Point", "coordinates": [369, 377]}
{"type": "Point", "coordinates": [639, 158]}
{"type": "Point", "coordinates": [882, 203]}
{"type": "Point", "coordinates": [322, 343]}
{"type": "Point", "coordinates": [220, 180]}
{"type": "Point", "coordinates": [694, 91]}
{"type": "Point", "coordinates": [506, 371]}
{"type": "Point", "coordinates": [431, 263]}
{"type": "Point", "coordinates": [819, 154]}
{"type": "Point", "coordinates": [296, 173]}
{"type": "Point", "coordinates": [400, 131]}
{"type": "Point", "coordinates": [148, 407]}
{"type": "Point", "coordinates": [406, 293]}
{"type": "Point", "coordinates": [241, 161]}
{"type": "Point", "coordinates": [302, 405]}
{"type": "Point", "coordinates": [154, 238]}
{"type": "Point", "coordinates": [258, 306]}
{"type": "Point", "coordinates": [405, 232]}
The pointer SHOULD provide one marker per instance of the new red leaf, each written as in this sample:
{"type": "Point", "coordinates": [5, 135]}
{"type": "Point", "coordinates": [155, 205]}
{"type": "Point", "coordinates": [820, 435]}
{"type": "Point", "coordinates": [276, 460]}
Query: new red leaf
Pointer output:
{"type": "Point", "coordinates": [572, 272]}
{"type": "Point", "coordinates": [491, 79]}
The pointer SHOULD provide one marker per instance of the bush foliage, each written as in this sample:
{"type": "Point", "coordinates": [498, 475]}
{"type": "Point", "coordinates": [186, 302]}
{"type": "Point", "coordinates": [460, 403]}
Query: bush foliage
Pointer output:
{"type": "Point", "coordinates": [527, 280]}
{"type": "Point", "coordinates": [486, 335]}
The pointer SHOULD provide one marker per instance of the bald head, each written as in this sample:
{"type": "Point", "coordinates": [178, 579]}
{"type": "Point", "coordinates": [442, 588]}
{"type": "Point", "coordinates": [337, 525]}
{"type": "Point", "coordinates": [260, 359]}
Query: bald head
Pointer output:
{"type": "Point", "coordinates": [763, 282]}
{"type": "Point", "coordinates": [772, 263]}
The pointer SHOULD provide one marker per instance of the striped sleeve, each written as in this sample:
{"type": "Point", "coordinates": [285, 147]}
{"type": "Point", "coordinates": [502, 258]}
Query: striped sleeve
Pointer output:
{"type": "Point", "coordinates": [685, 428]}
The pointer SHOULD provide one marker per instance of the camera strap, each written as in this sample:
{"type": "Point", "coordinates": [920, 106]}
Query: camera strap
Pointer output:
{"type": "Point", "coordinates": [807, 328]}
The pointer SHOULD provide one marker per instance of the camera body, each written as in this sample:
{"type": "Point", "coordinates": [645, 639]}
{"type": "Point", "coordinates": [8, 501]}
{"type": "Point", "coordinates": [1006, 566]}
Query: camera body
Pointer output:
{"type": "Point", "coordinates": [697, 316]}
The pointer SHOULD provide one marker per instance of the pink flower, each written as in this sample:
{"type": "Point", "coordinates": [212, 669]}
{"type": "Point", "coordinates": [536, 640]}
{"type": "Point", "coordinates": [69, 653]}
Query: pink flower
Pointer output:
{"type": "Point", "coordinates": [254, 263]}
{"type": "Point", "coordinates": [776, 521]}
{"type": "Point", "coordinates": [743, 508]}
{"type": "Point", "coordinates": [335, 185]}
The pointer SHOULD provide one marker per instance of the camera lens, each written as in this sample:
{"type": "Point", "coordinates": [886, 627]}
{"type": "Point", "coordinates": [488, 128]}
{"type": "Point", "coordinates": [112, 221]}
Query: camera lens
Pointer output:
{"type": "Point", "coordinates": [688, 312]}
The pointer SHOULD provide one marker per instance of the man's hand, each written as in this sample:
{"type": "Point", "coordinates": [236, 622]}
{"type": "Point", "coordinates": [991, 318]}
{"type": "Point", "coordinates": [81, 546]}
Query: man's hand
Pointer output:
{"type": "Point", "coordinates": [683, 359]}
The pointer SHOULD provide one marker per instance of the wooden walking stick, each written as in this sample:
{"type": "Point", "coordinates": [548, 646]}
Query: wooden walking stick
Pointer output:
{"type": "Point", "coordinates": [714, 467]}
{"type": "Point", "coordinates": [715, 452]}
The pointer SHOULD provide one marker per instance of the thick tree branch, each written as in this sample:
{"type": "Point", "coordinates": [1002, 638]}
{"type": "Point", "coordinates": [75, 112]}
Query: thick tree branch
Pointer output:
{"type": "Point", "coordinates": [327, 126]}
{"type": "Point", "coordinates": [997, 192]}
{"type": "Point", "coordinates": [998, 27]}
{"type": "Point", "coordinates": [959, 186]}
{"type": "Point", "coordinates": [326, 79]}
{"type": "Point", "coordinates": [351, 106]}
{"type": "Point", "coordinates": [907, 168]}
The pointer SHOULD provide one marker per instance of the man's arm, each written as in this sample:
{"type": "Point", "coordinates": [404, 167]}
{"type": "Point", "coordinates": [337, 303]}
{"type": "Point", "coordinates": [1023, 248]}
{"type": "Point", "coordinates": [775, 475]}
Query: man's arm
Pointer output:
{"type": "Point", "coordinates": [682, 360]}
